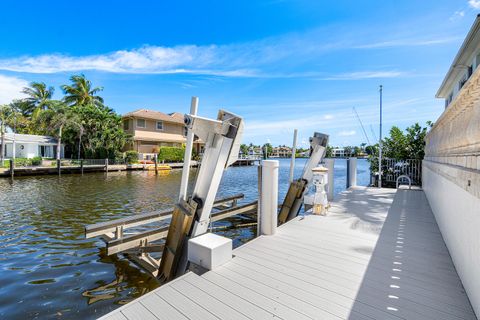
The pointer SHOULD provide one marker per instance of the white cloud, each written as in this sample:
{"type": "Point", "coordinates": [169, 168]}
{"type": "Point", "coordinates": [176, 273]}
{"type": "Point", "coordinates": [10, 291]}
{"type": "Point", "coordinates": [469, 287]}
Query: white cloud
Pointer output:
{"type": "Point", "coordinates": [347, 133]}
{"type": "Point", "coordinates": [259, 58]}
{"type": "Point", "coordinates": [148, 59]}
{"type": "Point", "coordinates": [10, 88]}
{"type": "Point", "coordinates": [359, 75]}
{"type": "Point", "coordinates": [457, 15]}
{"type": "Point", "coordinates": [475, 4]}
{"type": "Point", "coordinates": [407, 43]}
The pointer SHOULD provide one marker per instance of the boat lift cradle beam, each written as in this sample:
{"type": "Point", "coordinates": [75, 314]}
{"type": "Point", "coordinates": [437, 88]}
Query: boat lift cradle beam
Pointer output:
{"type": "Point", "coordinates": [110, 227]}
{"type": "Point", "coordinates": [294, 199]}
{"type": "Point", "coordinates": [191, 218]}
{"type": "Point", "coordinates": [143, 241]}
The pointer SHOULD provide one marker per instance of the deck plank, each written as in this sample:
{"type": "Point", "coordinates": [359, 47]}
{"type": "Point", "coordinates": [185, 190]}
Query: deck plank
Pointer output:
{"type": "Point", "coordinates": [137, 311]}
{"type": "Point", "coordinates": [116, 315]}
{"type": "Point", "coordinates": [278, 309]}
{"type": "Point", "coordinates": [215, 306]}
{"type": "Point", "coordinates": [378, 254]}
{"type": "Point", "coordinates": [187, 306]}
{"type": "Point", "coordinates": [245, 307]}
{"type": "Point", "coordinates": [161, 308]}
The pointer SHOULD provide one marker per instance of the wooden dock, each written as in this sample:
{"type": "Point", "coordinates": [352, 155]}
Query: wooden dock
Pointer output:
{"type": "Point", "coordinates": [377, 255]}
{"type": "Point", "coordinates": [88, 168]}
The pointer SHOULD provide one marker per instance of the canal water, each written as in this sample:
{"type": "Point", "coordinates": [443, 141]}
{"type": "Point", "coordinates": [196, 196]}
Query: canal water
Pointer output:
{"type": "Point", "coordinates": [49, 271]}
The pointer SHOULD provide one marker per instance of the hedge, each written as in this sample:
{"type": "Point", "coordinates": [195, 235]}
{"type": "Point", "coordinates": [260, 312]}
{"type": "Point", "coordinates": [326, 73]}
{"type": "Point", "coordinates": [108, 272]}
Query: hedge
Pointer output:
{"type": "Point", "coordinates": [131, 157]}
{"type": "Point", "coordinates": [171, 154]}
{"type": "Point", "coordinates": [24, 162]}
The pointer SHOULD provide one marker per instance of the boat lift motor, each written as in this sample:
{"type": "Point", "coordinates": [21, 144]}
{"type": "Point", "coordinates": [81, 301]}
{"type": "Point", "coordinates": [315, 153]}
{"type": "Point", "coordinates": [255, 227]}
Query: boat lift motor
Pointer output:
{"type": "Point", "coordinates": [294, 199]}
{"type": "Point", "coordinates": [191, 218]}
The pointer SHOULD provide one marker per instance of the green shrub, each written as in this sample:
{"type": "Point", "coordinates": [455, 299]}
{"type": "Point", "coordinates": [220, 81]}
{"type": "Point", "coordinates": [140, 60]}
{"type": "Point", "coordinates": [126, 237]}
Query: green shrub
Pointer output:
{"type": "Point", "coordinates": [171, 154]}
{"type": "Point", "coordinates": [118, 157]}
{"type": "Point", "coordinates": [36, 161]}
{"type": "Point", "coordinates": [22, 162]}
{"type": "Point", "coordinates": [131, 157]}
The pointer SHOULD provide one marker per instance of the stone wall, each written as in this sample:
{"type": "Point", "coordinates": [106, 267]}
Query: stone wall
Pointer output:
{"type": "Point", "coordinates": [451, 180]}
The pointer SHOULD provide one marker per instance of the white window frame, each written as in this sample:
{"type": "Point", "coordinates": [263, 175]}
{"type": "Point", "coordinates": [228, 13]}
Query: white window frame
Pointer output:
{"type": "Point", "coordinates": [144, 121]}
{"type": "Point", "coordinates": [156, 125]}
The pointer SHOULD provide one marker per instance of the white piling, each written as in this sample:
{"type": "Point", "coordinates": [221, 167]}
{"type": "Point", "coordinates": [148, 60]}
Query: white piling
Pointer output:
{"type": "Point", "coordinates": [330, 164]}
{"type": "Point", "coordinates": [188, 154]}
{"type": "Point", "coordinates": [352, 174]}
{"type": "Point", "coordinates": [268, 215]}
{"type": "Point", "coordinates": [294, 150]}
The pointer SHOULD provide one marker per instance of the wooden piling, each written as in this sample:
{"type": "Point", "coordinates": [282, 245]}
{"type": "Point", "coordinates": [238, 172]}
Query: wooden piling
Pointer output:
{"type": "Point", "coordinates": [59, 170]}
{"type": "Point", "coordinates": [81, 166]}
{"type": "Point", "coordinates": [156, 164]}
{"type": "Point", "coordinates": [12, 168]}
{"type": "Point", "coordinates": [106, 165]}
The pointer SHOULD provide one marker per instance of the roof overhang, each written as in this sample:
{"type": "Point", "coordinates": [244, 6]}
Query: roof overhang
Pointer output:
{"type": "Point", "coordinates": [460, 62]}
{"type": "Point", "coordinates": [158, 136]}
{"type": "Point", "coordinates": [29, 138]}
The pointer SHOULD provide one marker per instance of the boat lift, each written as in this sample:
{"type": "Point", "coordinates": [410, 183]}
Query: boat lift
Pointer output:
{"type": "Point", "coordinates": [294, 199]}
{"type": "Point", "coordinates": [192, 216]}
{"type": "Point", "coordinates": [189, 218]}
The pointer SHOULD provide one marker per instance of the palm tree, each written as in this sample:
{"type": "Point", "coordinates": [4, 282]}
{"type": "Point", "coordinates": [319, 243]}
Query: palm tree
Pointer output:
{"type": "Point", "coordinates": [80, 93]}
{"type": "Point", "coordinates": [9, 118]}
{"type": "Point", "coordinates": [39, 95]}
{"type": "Point", "coordinates": [58, 117]}
{"type": "Point", "coordinates": [81, 130]}
{"type": "Point", "coordinates": [5, 112]}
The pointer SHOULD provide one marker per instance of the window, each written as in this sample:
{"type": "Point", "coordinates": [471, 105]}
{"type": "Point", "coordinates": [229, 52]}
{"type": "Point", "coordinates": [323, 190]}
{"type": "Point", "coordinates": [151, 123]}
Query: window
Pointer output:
{"type": "Point", "coordinates": [462, 82]}
{"type": "Point", "coordinates": [159, 125]}
{"type": "Point", "coordinates": [448, 100]}
{"type": "Point", "coordinates": [46, 151]}
{"type": "Point", "coordinates": [148, 143]}
{"type": "Point", "coordinates": [141, 123]}
{"type": "Point", "coordinates": [125, 124]}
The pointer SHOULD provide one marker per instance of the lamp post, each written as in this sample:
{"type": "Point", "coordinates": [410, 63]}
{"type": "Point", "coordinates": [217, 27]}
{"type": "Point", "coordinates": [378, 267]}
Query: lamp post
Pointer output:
{"type": "Point", "coordinates": [380, 143]}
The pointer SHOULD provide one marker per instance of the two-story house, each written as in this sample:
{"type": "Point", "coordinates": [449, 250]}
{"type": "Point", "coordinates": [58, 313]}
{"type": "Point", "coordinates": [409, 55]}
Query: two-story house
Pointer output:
{"type": "Point", "coordinates": [153, 129]}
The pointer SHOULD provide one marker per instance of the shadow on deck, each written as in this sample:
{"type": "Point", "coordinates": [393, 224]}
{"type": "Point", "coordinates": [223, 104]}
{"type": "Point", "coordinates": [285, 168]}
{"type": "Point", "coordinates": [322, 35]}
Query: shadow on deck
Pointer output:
{"type": "Point", "coordinates": [410, 274]}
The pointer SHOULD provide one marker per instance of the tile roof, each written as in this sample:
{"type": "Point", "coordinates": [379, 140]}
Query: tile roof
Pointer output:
{"type": "Point", "coordinates": [174, 117]}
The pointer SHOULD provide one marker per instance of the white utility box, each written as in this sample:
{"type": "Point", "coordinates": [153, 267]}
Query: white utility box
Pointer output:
{"type": "Point", "coordinates": [209, 250]}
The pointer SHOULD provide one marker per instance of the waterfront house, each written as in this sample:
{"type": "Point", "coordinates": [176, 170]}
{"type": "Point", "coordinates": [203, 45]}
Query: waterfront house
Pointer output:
{"type": "Point", "coordinates": [151, 129]}
{"type": "Point", "coordinates": [281, 152]}
{"type": "Point", "coordinates": [338, 152]}
{"type": "Point", "coordinates": [30, 145]}
{"type": "Point", "coordinates": [451, 168]}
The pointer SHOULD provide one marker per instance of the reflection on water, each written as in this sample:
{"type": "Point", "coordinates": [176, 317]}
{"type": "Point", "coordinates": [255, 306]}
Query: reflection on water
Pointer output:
{"type": "Point", "coordinates": [48, 269]}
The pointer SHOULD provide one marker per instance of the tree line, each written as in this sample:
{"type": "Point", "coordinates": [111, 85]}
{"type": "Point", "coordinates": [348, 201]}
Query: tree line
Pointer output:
{"type": "Point", "coordinates": [401, 145]}
{"type": "Point", "coordinates": [398, 145]}
{"type": "Point", "coordinates": [80, 119]}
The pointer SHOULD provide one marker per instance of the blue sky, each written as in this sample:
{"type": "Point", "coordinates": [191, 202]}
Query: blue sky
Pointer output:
{"type": "Point", "coordinates": [280, 64]}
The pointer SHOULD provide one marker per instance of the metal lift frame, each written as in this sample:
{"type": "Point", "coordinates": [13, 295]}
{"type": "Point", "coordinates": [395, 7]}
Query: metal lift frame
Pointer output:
{"type": "Point", "coordinates": [191, 218]}
{"type": "Point", "coordinates": [294, 199]}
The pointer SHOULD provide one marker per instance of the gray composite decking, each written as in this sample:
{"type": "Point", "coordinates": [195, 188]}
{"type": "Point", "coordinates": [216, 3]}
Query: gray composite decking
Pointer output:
{"type": "Point", "coordinates": [356, 263]}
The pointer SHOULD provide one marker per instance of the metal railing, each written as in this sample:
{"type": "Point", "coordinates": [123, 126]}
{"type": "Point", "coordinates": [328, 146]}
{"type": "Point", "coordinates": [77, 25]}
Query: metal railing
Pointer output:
{"type": "Point", "coordinates": [393, 169]}
{"type": "Point", "coordinates": [250, 157]}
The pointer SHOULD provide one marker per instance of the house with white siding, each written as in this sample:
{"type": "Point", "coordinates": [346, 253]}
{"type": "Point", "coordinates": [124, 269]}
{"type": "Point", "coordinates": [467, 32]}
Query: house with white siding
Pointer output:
{"type": "Point", "coordinates": [30, 146]}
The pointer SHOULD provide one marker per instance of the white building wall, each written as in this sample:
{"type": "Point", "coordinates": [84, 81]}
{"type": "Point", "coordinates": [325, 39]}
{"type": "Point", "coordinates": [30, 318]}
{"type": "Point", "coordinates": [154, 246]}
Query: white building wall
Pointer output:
{"type": "Point", "coordinates": [457, 212]}
{"type": "Point", "coordinates": [31, 150]}
{"type": "Point", "coordinates": [451, 180]}
{"type": "Point", "coordinates": [8, 150]}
